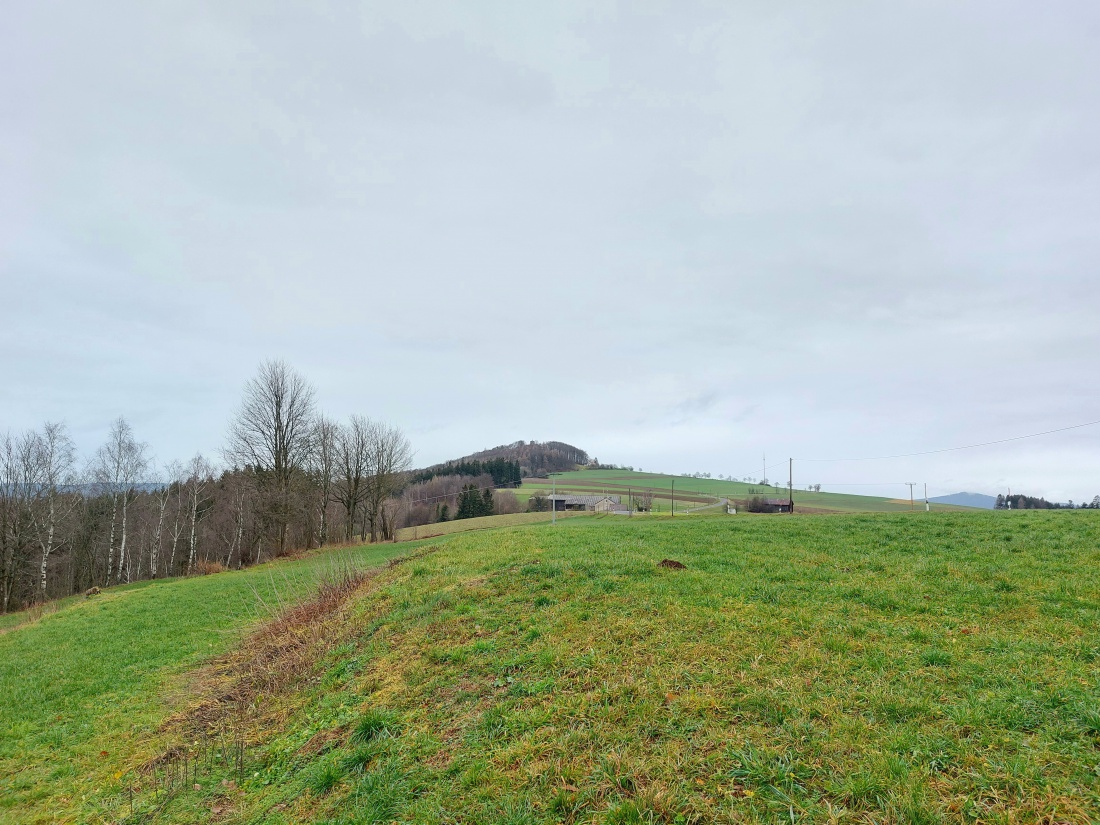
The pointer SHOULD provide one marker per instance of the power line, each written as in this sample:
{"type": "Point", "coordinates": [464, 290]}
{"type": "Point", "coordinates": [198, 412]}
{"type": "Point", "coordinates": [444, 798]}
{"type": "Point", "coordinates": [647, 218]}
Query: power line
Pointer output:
{"type": "Point", "coordinates": [953, 449]}
{"type": "Point", "coordinates": [510, 485]}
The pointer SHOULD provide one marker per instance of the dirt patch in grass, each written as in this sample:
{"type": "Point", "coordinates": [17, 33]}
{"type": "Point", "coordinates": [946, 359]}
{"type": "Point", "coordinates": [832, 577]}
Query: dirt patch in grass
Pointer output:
{"type": "Point", "coordinates": [238, 694]}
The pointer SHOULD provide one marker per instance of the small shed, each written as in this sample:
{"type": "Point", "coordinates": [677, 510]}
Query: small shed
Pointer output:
{"type": "Point", "coordinates": [782, 505]}
{"type": "Point", "coordinates": [599, 504]}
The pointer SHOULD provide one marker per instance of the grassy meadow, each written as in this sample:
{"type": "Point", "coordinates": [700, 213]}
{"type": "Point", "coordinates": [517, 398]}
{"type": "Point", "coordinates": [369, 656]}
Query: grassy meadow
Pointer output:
{"type": "Point", "coordinates": [900, 668]}
{"type": "Point", "coordinates": [696, 492]}
{"type": "Point", "coordinates": [81, 685]}
{"type": "Point", "coordinates": [446, 528]}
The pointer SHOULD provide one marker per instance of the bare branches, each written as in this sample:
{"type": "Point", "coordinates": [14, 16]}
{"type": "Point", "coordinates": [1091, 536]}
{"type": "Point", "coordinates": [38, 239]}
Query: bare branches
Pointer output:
{"type": "Point", "coordinates": [116, 468]}
{"type": "Point", "coordinates": [293, 475]}
{"type": "Point", "coordinates": [353, 456]}
{"type": "Point", "coordinates": [272, 434]}
{"type": "Point", "coordinates": [49, 459]}
{"type": "Point", "coordinates": [271, 431]}
{"type": "Point", "coordinates": [198, 477]}
{"type": "Point", "coordinates": [324, 442]}
{"type": "Point", "coordinates": [390, 458]}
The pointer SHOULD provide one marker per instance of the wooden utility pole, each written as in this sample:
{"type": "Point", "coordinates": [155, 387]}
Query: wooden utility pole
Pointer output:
{"type": "Point", "coordinates": [790, 483]}
{"type": "Point", "coordinates": [912, 484]}
{"type": "Point", "coordinates": [674, 495]}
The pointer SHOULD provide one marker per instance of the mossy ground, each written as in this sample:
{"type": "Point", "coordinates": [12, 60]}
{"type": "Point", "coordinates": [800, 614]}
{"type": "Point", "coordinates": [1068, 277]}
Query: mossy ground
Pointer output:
{"type": "Point", "coordinates": [878, 668]}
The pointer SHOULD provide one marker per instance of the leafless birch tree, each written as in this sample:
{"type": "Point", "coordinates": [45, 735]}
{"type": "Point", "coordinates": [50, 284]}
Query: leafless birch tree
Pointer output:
{"type": "Point", "coordinates": [177, 507]}
{"type": "Point", "coordinates": [117, 468]}
{"type": "Point", "coordinates": [49, 459]}
{"type": "Point", "coordinates": [199, 472]}
{"type": "Point", "coordinates": [162, 496]}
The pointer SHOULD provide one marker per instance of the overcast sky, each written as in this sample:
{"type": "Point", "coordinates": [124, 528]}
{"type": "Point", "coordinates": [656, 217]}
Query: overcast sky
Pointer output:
{"type": "Point", "coordinates": [678, 235]}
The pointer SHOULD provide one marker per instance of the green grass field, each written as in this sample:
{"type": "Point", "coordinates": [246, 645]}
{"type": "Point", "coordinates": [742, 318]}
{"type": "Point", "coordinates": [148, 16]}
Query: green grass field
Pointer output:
{"type": "Point", "coordinates": [901, 668]}
{"type": "Point", "coordinates": [691, 492]}
{"type": "Point", "coordinates": [81, 686]}
{"type": "Point", "coordinates": [446, 528]}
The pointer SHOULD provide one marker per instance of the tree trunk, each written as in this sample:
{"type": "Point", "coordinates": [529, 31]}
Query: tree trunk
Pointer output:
{"type": "Point", "coordinates": [154, 551]}
{"type": "Point", "coordinates": [47, 548]}
{"type": "Point", "coordinates": [194, 520]}
{"type": "Point", "coordinates": [111, 539]}
{"type": "Point", "coordinates": [122, 559]}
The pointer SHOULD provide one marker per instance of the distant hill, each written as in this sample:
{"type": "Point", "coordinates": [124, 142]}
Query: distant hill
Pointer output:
{"type": "Point", "coordinates": [534, 457]}
{"type": "Point", "coordinates": [967, 500]}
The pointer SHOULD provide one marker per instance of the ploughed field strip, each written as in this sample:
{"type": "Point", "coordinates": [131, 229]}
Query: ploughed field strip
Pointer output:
{"type": "Point", "coordinates": [873, 668]}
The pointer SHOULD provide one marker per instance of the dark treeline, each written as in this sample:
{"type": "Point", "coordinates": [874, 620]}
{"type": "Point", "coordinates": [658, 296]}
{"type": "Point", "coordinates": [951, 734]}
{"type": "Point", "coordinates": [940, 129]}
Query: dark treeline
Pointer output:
{"type": "Point", "coordinates": [473, 502]}
{"type": "Point", "coordinates": [291, 479]}
{"type": "Point", "coordinates": [502, 471]}
{"type": "Point", "coordinates": [536, 458]}
{"type": "Point", "coordinates": [1021, 502]}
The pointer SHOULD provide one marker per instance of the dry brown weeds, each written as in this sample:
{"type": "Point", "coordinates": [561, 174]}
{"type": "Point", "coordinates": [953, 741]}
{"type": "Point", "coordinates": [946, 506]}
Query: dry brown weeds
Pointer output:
{"type": "Point", "coordinates": [244, 694]}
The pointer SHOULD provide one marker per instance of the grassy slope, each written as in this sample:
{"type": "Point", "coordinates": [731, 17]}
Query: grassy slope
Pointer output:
{"type": "Point", "coordinates": [899, 668]}
{"type": "Point", "coordinates": [87, 679]}
{"type": "Point", "coordinates": [618, 482]}
{"type": "Point", "coordinates": [446, 528]}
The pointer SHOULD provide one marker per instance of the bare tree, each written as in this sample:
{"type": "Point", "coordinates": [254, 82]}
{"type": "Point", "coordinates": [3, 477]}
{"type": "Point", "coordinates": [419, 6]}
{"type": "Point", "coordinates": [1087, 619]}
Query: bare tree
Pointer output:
{"type": "Point", "coordinates": [239, 491]}
{"type": "Point", "coordinates": [49, 459]}
{"type": "Point", "coordinates": [322, 470]}
{"type": "Point", "coordinates": [162, 494]}
{"type": "Point", "coordinates": [177, 480]}
{"type": "Point", "coordinates": [390, 458]}
{"type": "Point", "coordinates": [199, 472]}
{"type": "Point", "coordinates": [506, 502]}
{"type": "Point", "coordinates": [353, 467]}
{"type": "Point", "coordinates": [271, 433]}
{"type": "Point", "coordinates": [15, 535]}
{"type": "Point", "coordinates": [116, 468]}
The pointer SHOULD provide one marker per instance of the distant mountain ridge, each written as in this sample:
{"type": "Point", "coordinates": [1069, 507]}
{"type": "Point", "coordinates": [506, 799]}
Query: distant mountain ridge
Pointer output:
{"type": "Point", "coordinates": [967, 500]}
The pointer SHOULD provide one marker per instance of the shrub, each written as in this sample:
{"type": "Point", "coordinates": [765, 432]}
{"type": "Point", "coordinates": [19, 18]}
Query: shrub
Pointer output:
{"type": "Point", "coordinates": [206, 568]}
{"type": "Point", "coordinates": [759, 504]}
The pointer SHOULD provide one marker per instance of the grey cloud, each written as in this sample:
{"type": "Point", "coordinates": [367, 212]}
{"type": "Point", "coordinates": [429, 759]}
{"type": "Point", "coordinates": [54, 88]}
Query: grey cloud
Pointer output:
{"type": "Point", "coordinates": [678, 234]}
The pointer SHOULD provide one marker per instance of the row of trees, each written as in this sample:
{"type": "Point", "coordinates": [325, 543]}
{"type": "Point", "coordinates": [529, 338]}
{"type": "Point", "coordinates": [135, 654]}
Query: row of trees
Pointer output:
{"type": "Point", "coordinates": [291, 478]}
{"type": "Point", "coordinates": [441, 497]}
{"type": "Point", "coordinates": [502, 472]}
{"type": "Point", "coordinates": [536, 458]}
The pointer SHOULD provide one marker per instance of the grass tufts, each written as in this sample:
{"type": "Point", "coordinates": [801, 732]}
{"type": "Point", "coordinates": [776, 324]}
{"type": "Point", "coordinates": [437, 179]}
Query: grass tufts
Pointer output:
{"type": "Point", "coordinates": [372, 725]}
{"type": "Point", "coordinates": [934, 657]}
{"type": "Point", "coordinates": [324, 777]}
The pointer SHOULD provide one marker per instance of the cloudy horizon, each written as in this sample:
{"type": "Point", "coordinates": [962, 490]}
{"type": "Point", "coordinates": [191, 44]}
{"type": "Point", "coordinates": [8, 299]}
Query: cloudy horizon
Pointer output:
{"type": "Point", "coordinates": [678, 235]}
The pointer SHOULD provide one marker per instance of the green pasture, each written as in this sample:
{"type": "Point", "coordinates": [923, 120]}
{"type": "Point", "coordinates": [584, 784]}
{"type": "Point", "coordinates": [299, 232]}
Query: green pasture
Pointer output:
{"type": "Point", "coordinates": [696, 491]}
{"type": "Point", "coordinates": [81, 685]}
{"type": "Point", "coordinates": [897, 668]}
{"type": "Point", "coordinates": [446, 528]}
